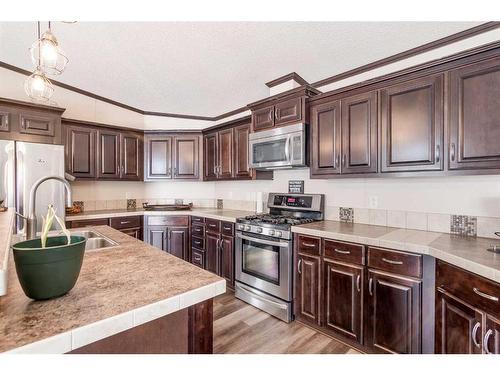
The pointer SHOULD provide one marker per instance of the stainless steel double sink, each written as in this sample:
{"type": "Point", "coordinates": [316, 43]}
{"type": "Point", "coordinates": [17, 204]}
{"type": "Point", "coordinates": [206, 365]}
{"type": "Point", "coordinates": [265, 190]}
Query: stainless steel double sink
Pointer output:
{"type": "Point", "coordinates": [95, 240]}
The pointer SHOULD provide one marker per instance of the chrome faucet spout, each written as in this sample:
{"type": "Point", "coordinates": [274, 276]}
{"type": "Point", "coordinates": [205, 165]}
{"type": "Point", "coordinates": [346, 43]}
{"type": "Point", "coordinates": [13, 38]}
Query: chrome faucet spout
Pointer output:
{"type": "Point", "coordinates": [31, 222]}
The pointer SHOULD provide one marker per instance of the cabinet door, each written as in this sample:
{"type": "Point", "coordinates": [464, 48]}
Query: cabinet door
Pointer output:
{"type": "Point", "coordinates": [325, 139]}
{"type": "Point", "coordinates": [458, 326]}
{"type": "Point", "coordinates": [178, 242]}
{"type": "Point", "coordinates": [5, 119]}
{"type": "Point", "coordinates": [108, 163]}
{"type": "Point", "coordinates": [307, 289]}
{"type": "Point", "coordinates": [412, 125]}
{"type": "Point", "coordinates": [80, 150]}
{"type": "Point", "coordinates": [359, 133]}
{"type": "Point", "coordinates": [241, 166]}
{"type": "Point", "coordinates": [157, 237]}
{"type": "Point", "coordinates": [475, 116]}
{"type": "Point", "coordinates": [393, 314]}
{"type": "Point", "coordinates": [342, 299]}
{"type": "Point", "coordinates": [212, 251]}
{"type": "Point", "coordinates": [186, 159]}
{"type": "Point", "coordinates": [158, 157]}
{"type": "Point", "coordinates": [198, 257]}
{"type": "Point", "coordinates": [210, 159]}
{"type": "Point", "coordinates": [133, 232]}
{"type": "Point", "coordinates": [132, 157]}
{"type": "Point", "coordinates": [225, 167]}
{"type": "Point", "coordinates": [38, 123]}
{"type": "Point", "coordinates": [263, 118]}
{"type": "Point", "coordinates": [226, 260]}
{"type": "Point", "coordinates": [491, 341]}
{"type": "Point", "coordinates": [288, 111]}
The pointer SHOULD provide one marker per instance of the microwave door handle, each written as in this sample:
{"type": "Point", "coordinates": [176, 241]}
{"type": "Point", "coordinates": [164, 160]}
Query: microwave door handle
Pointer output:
{"type": "Point", "coordinates": [287, 149]}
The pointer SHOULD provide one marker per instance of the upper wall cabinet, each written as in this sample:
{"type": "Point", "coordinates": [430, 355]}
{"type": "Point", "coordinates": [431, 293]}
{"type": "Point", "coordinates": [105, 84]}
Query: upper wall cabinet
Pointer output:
{"type": "Point", "coordinates": [475, 116]}
{"type": "Point", "coordinates": [80, 150]}
{"type": "Point", "coordinates": [172, 156]}
{"type": "Point", "coordinates": [282, 109]}
{"type": "Point", "coordinates": [412, 125]}
{"type": "Point", "coordinates": [29, 122]}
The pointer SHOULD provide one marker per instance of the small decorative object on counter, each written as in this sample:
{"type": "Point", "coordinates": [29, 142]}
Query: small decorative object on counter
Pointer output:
{"type": "Point", "coordinates": [167, 207]}
{"type": "Point", "coordinates": [48, 267]}
{"type": "Point", "coordinates": [2, 207]}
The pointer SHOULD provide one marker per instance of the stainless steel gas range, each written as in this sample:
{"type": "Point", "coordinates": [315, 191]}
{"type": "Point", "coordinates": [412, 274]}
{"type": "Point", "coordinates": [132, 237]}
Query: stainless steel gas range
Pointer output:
{"type": "Point", "coordinates": [264, 251]}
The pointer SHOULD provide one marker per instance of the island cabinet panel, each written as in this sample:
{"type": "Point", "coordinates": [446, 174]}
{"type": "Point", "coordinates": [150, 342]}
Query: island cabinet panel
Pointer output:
{"type": "Point", "coordinates": [132, 157]}
{"type": "Point", "coordinates": [393, 323]}
{"type": "Point", "coordinates": [169, 233]}
{"type": "Point", "coordinates": [474, 102]}
{"type": "Point", "coordinates": [307, 289]}
{"type": "Point", "coordinates": [325, 139]}
{"type": "Point", "coordinates": [108, 154]}
{"type": "Point", "coordinates": [80, 150]}
{"type": "Point", "coordinates": [157, 236]}
{"type": "Point", "coordinates": [86, 223]}
{"type": "Point", "coordinates": [359, 133]}
{"type": "Point", "coordinates": [342, 299]}
{"type": "Point", "coordinates": [212, 242]}
{"type": "Point", "coordinates": [412, 125]}
{"type": "Point", "coordinates": [178, 242]}
{"type": "Point", "coordinates": [131, 225]}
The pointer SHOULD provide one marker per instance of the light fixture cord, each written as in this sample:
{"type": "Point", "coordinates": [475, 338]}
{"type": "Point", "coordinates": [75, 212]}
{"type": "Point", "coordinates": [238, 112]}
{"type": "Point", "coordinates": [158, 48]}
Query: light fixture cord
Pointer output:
{"type": "Point", "coordinates": [39, 46]}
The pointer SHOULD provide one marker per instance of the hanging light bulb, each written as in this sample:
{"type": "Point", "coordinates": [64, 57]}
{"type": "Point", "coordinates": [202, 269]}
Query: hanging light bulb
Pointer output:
{"type": "Point", "coordinates": [47, 55]}
{"type": "Point", "coordinates": [38, 87]}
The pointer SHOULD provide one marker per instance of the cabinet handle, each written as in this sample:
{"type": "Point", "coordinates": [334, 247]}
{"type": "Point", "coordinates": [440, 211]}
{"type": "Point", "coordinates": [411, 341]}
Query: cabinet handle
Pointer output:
{"type": "Point", "coordinates": [299, 267]}
{"type": "Point", "coordinates": [358, 283]}
{"type": "Point", "coordinates": [197, 242]}
{"type": "Point", "coordinates": [370, 286]}
{"type": "Point", "coordinates": [342, 251]}
{"type": "Point", "coordinates": [452, 152]}
{"type": "Point", "coordinates": [124, 222]}
{"type": "Point", "coordinates": [438, 153]}
{"type": "Point", "coordinates": [271, 114]}
{"type": "Point", "coordinates": [484, 295]}
{"type": "Point", "coordinates": [175, 171]}
{"type": "Point", "coordinates": [307, 244]}
{"type": "Point", "coordinates": [215, 170]}
{"type": "Point", "coordinates": [474, 334]}
{"type": "Point", "coordinates": [397, 262]}
{"type": "Point", "coordinates": [337, 158]}
{"type": "Point", "coordinates": [169, 171]}
{"type": "Point", "coordinates": [276, 113]}
{"type": "Point", "coordinates": [485, 341]}
{"type": "Point", "coordinates": [197, 257]}
{"type": "Point", "coordinates": [212, 225]}
{"type": "Point", "coordinates": [343, 160]}
{"type": "Point", "coordinates": [23, 124]}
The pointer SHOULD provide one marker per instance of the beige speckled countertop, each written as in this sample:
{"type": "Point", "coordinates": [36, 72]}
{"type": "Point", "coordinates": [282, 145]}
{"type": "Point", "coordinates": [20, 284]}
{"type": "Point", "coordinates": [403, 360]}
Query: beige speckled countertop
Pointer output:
{"type": "Point", "coordinates": [213, 213]}
{"type": "Point", "coordinates": [466, 252]}
{"type": "Point", "coordinates": [118, 288]}
{"type": "Point", "coordinates": [6, 225]}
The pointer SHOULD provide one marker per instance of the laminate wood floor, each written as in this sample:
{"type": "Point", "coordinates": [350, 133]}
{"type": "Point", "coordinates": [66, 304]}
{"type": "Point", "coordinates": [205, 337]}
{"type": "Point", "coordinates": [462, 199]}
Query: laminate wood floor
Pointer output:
{"type": "Point", "coordinates": [242, 328]}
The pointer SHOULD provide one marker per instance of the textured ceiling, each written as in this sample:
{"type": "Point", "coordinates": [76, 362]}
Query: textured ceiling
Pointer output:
{"type": "Point", "coordinates": [208, 68]}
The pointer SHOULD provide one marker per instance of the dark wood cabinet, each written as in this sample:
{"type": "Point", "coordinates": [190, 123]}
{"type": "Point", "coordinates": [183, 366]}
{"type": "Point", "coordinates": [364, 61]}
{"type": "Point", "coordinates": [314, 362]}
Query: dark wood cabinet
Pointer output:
{"type": "Point", "coordinates": [412, 125]}
{"type": "Point", "coordinates": [325, 139]}
{"type": "Point", "coordinates": [131, 160]}
{"type": "Point", "coordinates": [263, 118]}
{"type": "Point", "coordinates": [226, 260]}
{"type": "Point", "coordinates": [172, 157]}
{"type": "Point", "coordinates": [474, 102]}
{"type": "Point", "coordinates": [157, 236]}
{"type": "Point", "coordinates": [212, 251]}
{"type": "Point", "coordinates": [343, 299]}
{"type": "Point", "coordinates": [5, 119]}
{"type": "Point", "coordinates": [225, 158]}
{"type": "Point", "coordinates": [307, 289]}
{"type": "Point", "coordinates": [289, 111]}
{"type": "Point", "coordinates": [86, 223]}
{"type": "Point", "coordinates": [211, 156]}
{"type": "Point", "coordinates": [178, 241]}
{"type": "Point", "coordinates": [241, 166]}
{"type": "Point", "coordinates": [108, 162]}
{"type": "Point", "coordinates": [38, 123]}
{"type": "Point", "coordinates": [393, 323]}
{"type": "Point", "coordinates": [491, 340]}
{"type": "Point", "coordinates": [170, 234]}
{"type": "Point", "coordinates": [133, 232]}
{"type": "Point", "coordinates": [359, 134]}
{"type": "Point", "coordinates": [80, 150]}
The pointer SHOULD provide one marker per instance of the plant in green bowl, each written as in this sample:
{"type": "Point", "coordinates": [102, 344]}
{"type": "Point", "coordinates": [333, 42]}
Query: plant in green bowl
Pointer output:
{"type": "Point", "coordinates": [48, 267]}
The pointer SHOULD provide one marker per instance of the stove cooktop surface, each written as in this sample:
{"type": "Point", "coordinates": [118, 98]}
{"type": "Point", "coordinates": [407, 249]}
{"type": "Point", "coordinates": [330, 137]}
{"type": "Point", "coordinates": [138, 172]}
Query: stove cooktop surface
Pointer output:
{"type": "Point", "coordinates": [275, 219]}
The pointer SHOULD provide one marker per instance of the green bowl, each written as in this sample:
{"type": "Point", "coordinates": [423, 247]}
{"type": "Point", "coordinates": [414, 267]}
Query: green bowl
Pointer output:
{"type": "Point", "coordinates": [48, 272]}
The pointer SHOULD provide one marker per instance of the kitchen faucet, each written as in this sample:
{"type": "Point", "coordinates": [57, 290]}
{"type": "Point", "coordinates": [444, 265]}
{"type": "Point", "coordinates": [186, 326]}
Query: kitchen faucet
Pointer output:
{"type": "Point", "coordinates": [31, 221]}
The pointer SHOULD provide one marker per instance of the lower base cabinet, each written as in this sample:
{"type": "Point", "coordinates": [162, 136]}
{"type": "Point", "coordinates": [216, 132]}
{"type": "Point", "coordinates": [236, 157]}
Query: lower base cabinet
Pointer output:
{"type": "Point", "coordinates": [130, 225]}
{"type": "Point", "coordinates": [170, 234]}
{"type": "Point", "coordinates": [307, 292]}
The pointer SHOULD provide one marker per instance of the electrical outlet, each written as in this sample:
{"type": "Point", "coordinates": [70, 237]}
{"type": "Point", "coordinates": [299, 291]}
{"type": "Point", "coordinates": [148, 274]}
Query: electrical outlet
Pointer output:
{"type": "Point", "coordinates": [373, 202]}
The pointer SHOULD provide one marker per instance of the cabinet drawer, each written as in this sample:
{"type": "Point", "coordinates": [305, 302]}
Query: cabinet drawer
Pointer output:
{"type": "Point", "coordinates": [227, 228]}
{"type": "Point", "coordinates": [213, 225]}
{"type": "Point", "coordinates": [308, 245]}
{"type": "Point", "coordinates": [344, 252]}
{"type": "Point", "coordinates": [88, 223]}
{"type": "Point", "coordinates": [179, 221]}
{"type": "Point", "coordinates": [475, 290]}
{"type": "Point", "coordinates": [198, 230]}
{"type": "Point", "coordinates": [125, 222]}
{"type": "Point", "coordinates": [198, 258]}
{"type": "Point", "coordinates": [198, 243]}
{"type": "Point", "coordinates": [197, 219]}
{"type": "Point", "coordinates": [395, 261]}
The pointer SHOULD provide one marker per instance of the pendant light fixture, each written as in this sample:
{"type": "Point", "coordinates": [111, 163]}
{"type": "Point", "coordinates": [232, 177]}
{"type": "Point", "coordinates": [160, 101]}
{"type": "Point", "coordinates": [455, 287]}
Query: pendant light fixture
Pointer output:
{"type": "Point", "coordinates": [38, 87]}
{"type": "Point", "coordinates": [47, 55]}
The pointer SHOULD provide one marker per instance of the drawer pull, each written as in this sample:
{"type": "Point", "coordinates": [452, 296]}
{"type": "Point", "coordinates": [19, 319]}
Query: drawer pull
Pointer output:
{"type": "Point", "coordinates": [124, 222]}
{"type": "Point", "coordinates": [474, 334]}
{"type": "Point", "coordinates": [197, 258]}
{"type": "Point", "coordinates": [212, 225]}
{"type": "Point", "coordinates": [485, 341]}
{"type": "Point", "coordinates": [398, 262]}
{"type": "Point", "coordinates": [197, 242]}
{"type": "Point", "coordinates": [227, 228]}
{"type": "Point", "coordinates": [308, 244]}
{"type": "Point", "coordinates": [342, 251]}
{"type": "Point", "coordinates": [484, 295]}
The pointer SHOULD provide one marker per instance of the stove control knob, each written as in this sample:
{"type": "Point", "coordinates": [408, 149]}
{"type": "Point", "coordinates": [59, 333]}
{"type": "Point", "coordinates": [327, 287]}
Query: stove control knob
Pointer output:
{"type": "Point", "coordinates": [278, 233]}
{"type": "Point", "coordinates": [241, 227]}
{"type": "Point", "coordinates": [272, 232]}
{"type": "Point", "coordinates": [258, 230]}
{"type": "Point", "coordinates": [248, 228]}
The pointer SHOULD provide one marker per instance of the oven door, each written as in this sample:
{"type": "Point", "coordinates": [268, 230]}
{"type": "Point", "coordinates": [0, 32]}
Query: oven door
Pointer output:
{"type": "Point", "coordinates": [264, 263]}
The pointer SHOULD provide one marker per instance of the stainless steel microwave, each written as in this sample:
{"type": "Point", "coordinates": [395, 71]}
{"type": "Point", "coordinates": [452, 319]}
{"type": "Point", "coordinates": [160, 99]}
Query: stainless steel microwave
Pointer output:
{"type": "Point", "coordinates": [279, 148]}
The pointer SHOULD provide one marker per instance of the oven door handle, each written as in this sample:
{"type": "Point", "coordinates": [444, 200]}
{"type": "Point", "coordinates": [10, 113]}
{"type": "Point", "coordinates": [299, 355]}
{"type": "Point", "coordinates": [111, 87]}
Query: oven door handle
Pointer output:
{"type": "Point", "coordinates": [265, 242]}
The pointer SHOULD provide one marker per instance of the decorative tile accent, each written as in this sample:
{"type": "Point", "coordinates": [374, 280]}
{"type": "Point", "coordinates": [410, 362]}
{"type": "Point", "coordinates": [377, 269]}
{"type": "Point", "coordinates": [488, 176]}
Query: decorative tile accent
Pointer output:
{"type": "Point", "coordinates": [463, 225]}
{"type": "Point", "coordinates": [79, 204]}
{"type": "Point", "coordinates": [179, 201]}
{"type": "Point", "coordinates": [220, 204]}
{"type": "Point", "coordinates": [346, 214]}
{"type": "Point", "coordinates": [131, 204]}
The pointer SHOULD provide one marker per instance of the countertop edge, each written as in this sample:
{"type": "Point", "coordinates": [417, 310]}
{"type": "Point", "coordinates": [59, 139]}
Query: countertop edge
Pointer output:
{"type": "Point", "coordinates": [4, 257]}
{"type": "Point", "coordinates": [459, 261]}
{"type": "Point", "coordinates": [87, 334]}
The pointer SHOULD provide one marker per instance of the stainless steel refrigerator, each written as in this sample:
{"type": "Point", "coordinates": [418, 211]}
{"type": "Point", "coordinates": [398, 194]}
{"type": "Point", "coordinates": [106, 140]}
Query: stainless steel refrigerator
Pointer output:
{"type": "Point", "coordinates": [21, 165]}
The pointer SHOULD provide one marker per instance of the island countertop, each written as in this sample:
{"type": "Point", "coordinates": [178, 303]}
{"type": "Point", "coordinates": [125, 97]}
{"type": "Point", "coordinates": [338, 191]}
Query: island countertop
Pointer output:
{"type": "Point", "coordinates": [118, 288]}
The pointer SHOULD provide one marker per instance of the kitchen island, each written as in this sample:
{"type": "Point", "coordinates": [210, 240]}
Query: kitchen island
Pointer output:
{"type": "Point", "coordinates": [129, 298]}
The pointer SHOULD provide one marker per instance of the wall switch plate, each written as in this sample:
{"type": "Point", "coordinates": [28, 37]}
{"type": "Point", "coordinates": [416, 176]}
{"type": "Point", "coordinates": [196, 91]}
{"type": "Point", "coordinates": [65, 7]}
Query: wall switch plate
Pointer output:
{"type": "Point", "coordinates": [373, 202]}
